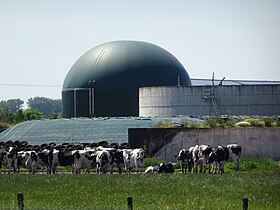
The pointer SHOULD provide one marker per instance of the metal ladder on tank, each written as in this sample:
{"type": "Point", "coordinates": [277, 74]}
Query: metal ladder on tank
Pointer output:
{"type": "Point", "coordinates": [209, 94]}
{"type": "Point", "coordinates": [215, 105]}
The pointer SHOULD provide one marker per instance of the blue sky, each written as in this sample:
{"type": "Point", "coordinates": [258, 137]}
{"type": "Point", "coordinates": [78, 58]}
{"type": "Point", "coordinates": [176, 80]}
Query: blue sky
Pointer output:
{"type": "Point", "coordinates": [41, 39]}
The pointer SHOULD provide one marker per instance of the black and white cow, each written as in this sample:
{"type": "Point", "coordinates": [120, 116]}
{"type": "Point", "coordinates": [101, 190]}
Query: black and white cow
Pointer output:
{"type": "Point", "coordinates": [133, 158]}
{"type": "Point", "coordinates": [103, 160]}
{"type": "Point", "coordinates": [62, 157]}
{"type": "Point", "coordinates": [234, 154]}
{"type": "Point", "coordinates": [40, 159]}
{"type": "Point", "coordinates": [200, 155]}
{"type": "Point", "coordinates": [151, 169]}
{"type": "Point", "coordinates": [138, 159]}
{"type": "Point", "coordinates": [185, 160]}
{"type": "Point", "coordinates": [218, 156]}
{"type": "Point", "coordinates": [128, 163]}
{"type": "Point", "coordinates": [116, 160]}
{"type": "Point", "coordinates": [8, 157]}
{"type": "Point", "coordinates": [3, 159]}
{"type": "Point", "coordinates": [221, 154]}
{"type": "Point", "coordinates": [166, 168]}
{"type": "Point", "coordinates": [84, 160]}
{"type": "Point", "coordinates": [22, 159]}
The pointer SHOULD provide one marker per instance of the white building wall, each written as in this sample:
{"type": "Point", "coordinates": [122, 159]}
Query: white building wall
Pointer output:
{"type": "Point", "coordinates": [231, 99]}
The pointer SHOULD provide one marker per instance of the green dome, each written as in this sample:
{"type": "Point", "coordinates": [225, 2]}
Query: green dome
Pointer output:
{"type": "Point", "coordinates": [124, 66]}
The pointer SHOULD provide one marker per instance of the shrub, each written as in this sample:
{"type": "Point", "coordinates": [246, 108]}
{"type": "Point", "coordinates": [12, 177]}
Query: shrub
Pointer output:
{"type": "Point", "coordinates": [230, 123]}
{"type": "Point", "coordinates": [256, 122]}
{"type": "Point", "coordinates": [276, 121]}
{"type": "Point", "coordinates": [243, 124]}
{"type": "Point", "coordinates": [213, 122]}
{"type": "Point", "coordinates": [195, 125]}
{"type": "Point", "coordinates": [268, 122]}
{"type": "Point", "coordinates": [186, 124]}
{"type": "Point", "coordinates": [165, 124]}
{"type": "Point", "coordinates": [152, 161]}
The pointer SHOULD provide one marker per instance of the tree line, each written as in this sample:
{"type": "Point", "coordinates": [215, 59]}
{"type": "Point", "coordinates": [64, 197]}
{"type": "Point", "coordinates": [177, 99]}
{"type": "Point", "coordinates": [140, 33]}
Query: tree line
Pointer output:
{"type": "Point", "coordinates": [12, 110]}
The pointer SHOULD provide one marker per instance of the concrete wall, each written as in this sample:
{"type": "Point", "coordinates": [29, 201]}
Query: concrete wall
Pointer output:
{"type": "Point", "coordinates": [195, 100]}
{"type": "Point", "coordinates": [165, 143]}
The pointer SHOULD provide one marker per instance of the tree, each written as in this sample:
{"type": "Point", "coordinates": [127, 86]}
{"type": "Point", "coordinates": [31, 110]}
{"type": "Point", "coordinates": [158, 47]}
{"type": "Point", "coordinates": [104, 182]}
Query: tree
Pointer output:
{"type": "Point", "coordinates": [6, 115]}
{"type": "Point", "coordinates": [46, 105]}
{"type": "Point", "coordinates": [19, 116]}
{"type": "Point", "coordinates": [12, 104]}
{"type": "Point", "coordinates": [33, 114]}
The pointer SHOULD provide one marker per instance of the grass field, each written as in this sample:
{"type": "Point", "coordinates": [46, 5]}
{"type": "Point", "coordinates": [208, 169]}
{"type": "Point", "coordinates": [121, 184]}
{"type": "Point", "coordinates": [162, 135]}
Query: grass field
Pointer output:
{"type": "Point", "coordinates": [258, 180]}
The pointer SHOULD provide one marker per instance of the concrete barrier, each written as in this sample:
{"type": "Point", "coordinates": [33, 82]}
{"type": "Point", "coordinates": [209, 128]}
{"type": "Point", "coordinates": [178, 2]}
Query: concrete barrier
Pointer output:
{"type": "Point", "coordinates": [164, 143]}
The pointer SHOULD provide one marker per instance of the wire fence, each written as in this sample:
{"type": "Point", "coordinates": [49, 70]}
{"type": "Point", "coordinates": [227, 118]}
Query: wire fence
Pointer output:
{"type": "Point", "coordinates": [129, 203]}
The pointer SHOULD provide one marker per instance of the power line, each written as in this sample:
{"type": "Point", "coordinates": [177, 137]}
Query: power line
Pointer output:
{"type": "Point", "coordinates": [30, 85]}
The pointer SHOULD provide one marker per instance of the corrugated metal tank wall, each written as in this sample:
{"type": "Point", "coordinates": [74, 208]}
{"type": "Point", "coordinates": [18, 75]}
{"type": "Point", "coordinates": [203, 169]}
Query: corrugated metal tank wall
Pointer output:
{"type": "Point", "coordinates": [104, 102]}
{"type": "Point", "coordinates": [195, 100]}
{"type": "Point", "coordinates": [76, 101]}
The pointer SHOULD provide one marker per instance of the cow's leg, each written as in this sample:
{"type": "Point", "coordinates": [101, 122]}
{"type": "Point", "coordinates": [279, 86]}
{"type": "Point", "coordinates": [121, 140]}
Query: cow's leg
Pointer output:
{"type": "Point", "coordinates": [136, 169]}
{"type": "Point", "coordinates": [204, 166]}
{"type": "Point", "coordinates": [200, 164]}
{"type": "Point", "coordinates": [190, 165]}
{"type": "Point", "coordinates": [210, 167]}
{"type": "Point", "coordinates": [216, 167]}
{"type": "Point", "coordinates": [33, 168]}
{"type": "Point", "coordinates": [5, 168]}
{"type": "Point", "coordinates": [112, 168]}
{"type": "Point", "coordinates": [125, 166]}
{"type": "Point", "coordinates": [194, 166]}
{"type": "Point", "coordinates": [15, 165]}
{"type": "Point", "coordinates": [10, 166]}
{"type": "Point", "coordinates": [236, 162]}
{"type": "Point", "coordinates": [185, 166]}
{"type": "Point", "coordinates": [222, 167]}
{"type": "Point", "coordinates": [142, 167]}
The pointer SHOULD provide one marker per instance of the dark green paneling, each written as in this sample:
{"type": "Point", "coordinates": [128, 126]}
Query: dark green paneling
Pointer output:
{"type": "Point", "coordinates": [82, 103]}
{"type": "Point", "coordinates": [67, 103]}
{"type": "Point", "coordinates": [116, 102]}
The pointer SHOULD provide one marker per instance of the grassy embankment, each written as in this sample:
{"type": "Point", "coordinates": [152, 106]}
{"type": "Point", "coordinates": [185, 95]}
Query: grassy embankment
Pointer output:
{"type": "Point", "coordinates": [258, 180]}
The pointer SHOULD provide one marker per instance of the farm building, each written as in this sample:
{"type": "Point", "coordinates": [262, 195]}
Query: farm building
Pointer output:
{"type": "Point", "coordinates": [132, 78]}
{"type": "Point", "coordinates": [105, 80]}
{"type": "Point", "coordinates": [132, 84]}
{"type": "Point", "coordinates": [257, 99]}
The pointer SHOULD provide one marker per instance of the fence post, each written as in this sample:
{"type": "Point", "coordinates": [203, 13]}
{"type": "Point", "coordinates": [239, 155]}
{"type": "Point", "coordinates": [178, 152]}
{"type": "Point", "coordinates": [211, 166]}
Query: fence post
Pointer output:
{"type": "Point", "coordinates": [129, 203]}
{"type": "Point", "coordinates": [245, 203]}
{"type": "Point", "coordinates": [20, 201]}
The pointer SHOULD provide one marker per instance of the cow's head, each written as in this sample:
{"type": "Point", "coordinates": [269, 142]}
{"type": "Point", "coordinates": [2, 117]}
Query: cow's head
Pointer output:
{"type": "Point", "coordinates": [162, 168]}
{"type": "Point", "coordinates": [212, 157]}
{"type": "Point", "coordinates": [140, 155]}
{"type": "Point", "coordinates": [207, 151]}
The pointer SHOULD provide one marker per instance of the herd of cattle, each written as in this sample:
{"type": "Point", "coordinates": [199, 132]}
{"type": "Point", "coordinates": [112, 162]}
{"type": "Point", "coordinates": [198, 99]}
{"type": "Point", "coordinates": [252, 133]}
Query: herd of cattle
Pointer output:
{"type": "Point", "coordinates": [201, 155]}
{"type": "Point", "coordinates": [105, 157]}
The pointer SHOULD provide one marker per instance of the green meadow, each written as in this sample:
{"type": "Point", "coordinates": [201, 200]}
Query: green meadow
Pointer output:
{"type": "Point", "coordinates": [258, 180]}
